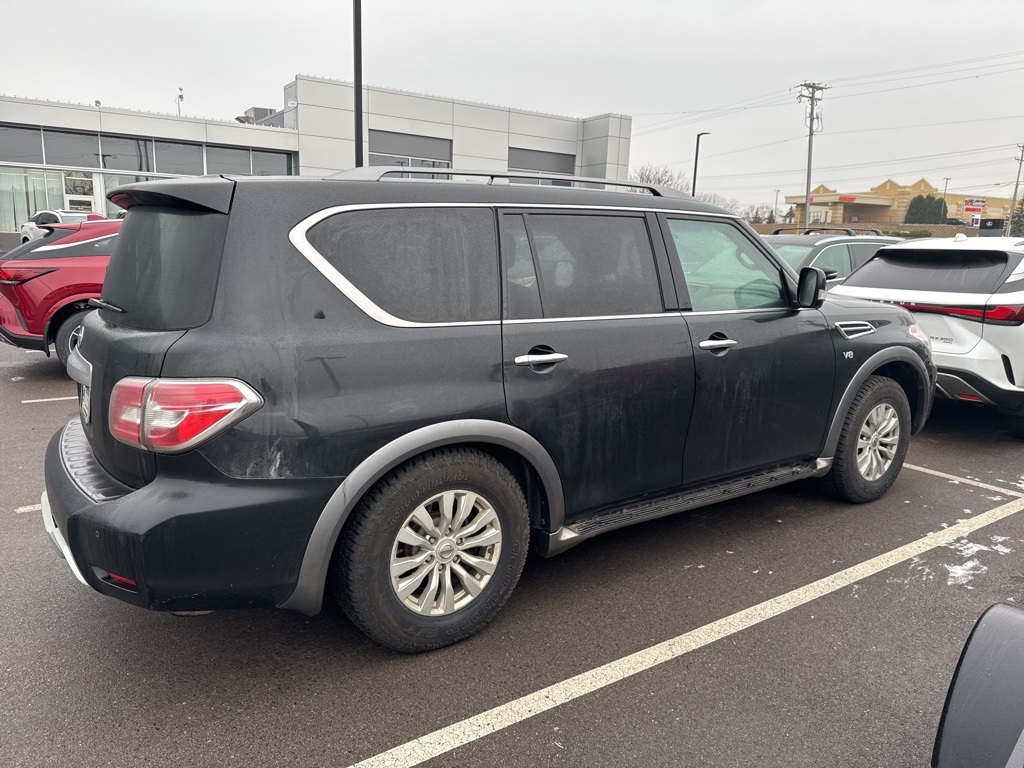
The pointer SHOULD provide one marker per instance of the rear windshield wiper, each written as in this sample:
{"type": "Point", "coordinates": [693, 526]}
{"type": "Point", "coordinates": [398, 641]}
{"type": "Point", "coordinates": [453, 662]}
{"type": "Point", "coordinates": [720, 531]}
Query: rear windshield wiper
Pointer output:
{"type": "Point", "coordinates": [101, 304]}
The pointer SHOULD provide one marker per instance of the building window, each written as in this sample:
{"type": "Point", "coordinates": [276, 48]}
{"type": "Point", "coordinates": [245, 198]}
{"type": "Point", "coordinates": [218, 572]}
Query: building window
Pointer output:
{"type": "Point", "coordinates": [21, 145]}
{"type": "Point", "coordinates": [183, 159]}
{"type": "Point", "coordinates": [228, 160]}
{"type": "Point", "coordinates": [124, 153]}
{"type": "Point", "coordinates": [78, 150]}
{"type": "Point", "coordinates": [23, 191]}
{"type": "Point", "coordinates": [271, 163]}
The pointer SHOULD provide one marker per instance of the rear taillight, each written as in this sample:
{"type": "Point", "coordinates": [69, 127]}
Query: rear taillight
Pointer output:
{"type": "Point", "coordinates": [174, 415]}
{"type": "Point", "coordinates": [1012, 314]}
{"type": "Point", "coordinates": [19, 275]}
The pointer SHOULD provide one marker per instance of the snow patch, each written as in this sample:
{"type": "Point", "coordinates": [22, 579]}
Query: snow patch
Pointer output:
{"type": "Point", "coordinates": [960, 575]}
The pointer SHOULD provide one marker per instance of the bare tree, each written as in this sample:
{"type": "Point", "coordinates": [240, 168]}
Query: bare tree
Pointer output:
{"type": "Point", "coordinates": [660, 175]}
{"type": "Point", "coordinates": [731, 204]}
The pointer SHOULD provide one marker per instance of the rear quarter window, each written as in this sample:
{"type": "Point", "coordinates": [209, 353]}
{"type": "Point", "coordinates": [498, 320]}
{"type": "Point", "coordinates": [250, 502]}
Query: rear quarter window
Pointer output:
{"type": "Point", "coordinates": [425, 265]}
{"type": "Point", "coordinates": [29, 250]}
{"type": "Point", "coordinates": [164, 268]}
{"type": "Point", "coordinates": [923, 270]}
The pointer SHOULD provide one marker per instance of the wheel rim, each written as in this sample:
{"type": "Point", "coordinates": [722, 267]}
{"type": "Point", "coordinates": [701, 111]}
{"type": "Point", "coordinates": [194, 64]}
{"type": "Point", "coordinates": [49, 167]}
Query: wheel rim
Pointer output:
{"type": "Point", "coordinates": [879, 438]}
{"type": "Point", "coordinates": [74, 338]}
{"type": "Point", "coordinates": [445, 552]}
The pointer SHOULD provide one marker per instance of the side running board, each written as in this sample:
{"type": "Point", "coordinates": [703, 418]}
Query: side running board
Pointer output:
{"type": "Point", "coordinates": [548, 544]}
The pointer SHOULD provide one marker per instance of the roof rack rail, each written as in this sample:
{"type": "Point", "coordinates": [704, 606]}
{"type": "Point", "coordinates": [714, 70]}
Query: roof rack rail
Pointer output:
{"type": "Point", "coordinates": [380, 172]}
{"type": "Point", "coordinates": [816, 230]}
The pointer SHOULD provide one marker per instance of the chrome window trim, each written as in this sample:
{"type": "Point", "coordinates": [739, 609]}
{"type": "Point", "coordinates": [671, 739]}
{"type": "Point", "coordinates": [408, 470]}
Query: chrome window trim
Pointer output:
{"type": "Point", "coordinates": [669, 313]}
{"type": "Point", "coordinates": [297, 237]}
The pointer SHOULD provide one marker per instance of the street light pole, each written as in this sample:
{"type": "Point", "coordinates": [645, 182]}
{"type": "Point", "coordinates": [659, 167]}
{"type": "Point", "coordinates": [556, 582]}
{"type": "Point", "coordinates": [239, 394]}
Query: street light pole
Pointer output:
{"type": "Point", "coordinates": [945, 211]}
{"type": "Point", "coordinates": [1016, 184]}
{"type": "Point", "coordinates": [696, 157]}
{"type": "Point", "coordinates": [181, 98]}
{"type": "Point", "coordinates": [776, 209]}
{"type": "Point", "coordinates": [357, 49]}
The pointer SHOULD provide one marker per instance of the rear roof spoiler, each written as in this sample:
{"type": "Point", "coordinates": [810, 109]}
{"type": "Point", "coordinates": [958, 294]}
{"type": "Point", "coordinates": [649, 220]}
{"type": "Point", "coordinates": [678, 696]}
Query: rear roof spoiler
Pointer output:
{"type": "Point", "coordinates": [212, 193]}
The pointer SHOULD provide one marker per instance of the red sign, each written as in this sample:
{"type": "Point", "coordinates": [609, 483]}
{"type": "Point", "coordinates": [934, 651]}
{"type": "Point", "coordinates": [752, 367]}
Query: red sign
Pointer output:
{"type": "Point", "coordinates": [847, 199]}
{"type": "Point", "coordinates": [972, 209]}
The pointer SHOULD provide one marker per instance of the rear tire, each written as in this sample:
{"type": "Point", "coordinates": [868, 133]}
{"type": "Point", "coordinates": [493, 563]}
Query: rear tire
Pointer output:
{"type": "Point", "coordinates": [66, 338]}
{"type": "Point", "coordinates": [872, 445]}
{"type": "Point", "coordinates": [405, 575]}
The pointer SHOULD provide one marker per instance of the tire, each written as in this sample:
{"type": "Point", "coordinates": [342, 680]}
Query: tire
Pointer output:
{"type": "Point", "coordinates": [879, 413]}
{"type": "Point", "coordinates": [387, 546]}
{"type": "Point", "coordinates": [66, 339]}
{"type": "Point", "coordinates": [1016, 426]}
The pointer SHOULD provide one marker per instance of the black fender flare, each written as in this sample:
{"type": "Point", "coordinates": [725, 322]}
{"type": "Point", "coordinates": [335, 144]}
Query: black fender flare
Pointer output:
{"type": "Point", "coordinates": [925, 384]}
{"type": "Point", "coordinates": [307, 596]}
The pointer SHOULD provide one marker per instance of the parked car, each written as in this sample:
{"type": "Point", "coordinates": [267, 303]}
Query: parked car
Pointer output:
{"type": "Point", "coordinates": [968, 295]}
{"type": "Point", "coordinates": [35, 227]}
{"type": "Point", "coordinates": [46, 284]}
{"type": "Point", "coordinates": [397, 385]}
{"type": "Point", "coordinates": [839, 255]}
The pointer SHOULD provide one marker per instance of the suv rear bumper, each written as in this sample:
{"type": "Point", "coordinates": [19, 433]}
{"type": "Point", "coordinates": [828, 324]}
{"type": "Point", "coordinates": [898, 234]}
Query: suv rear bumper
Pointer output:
{"type": "Point", "coordinates": [967, 386]}
{"type": "Point", "coordinates": [186, 544]}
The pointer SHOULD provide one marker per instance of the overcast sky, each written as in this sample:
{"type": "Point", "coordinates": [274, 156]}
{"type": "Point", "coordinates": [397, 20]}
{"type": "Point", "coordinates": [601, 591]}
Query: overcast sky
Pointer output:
{"type": "Point", "coordinates": [671, 64]}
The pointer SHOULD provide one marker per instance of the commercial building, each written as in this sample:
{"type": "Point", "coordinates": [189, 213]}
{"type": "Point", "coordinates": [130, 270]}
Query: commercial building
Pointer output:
{"type": "Point", "coordinates": [887, 203]}
{"type": "Point", "coordinates": [56, 155]}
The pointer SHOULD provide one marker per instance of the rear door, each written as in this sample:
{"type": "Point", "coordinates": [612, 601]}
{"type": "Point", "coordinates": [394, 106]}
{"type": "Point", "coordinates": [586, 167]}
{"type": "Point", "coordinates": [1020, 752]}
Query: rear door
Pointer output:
{"type": "Point", "coordinates": [597, 360]}
{"type": "Point", "coordinates": [765, 371]}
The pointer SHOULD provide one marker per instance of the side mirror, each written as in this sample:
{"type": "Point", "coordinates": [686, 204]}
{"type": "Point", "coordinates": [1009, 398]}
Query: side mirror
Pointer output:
{"type": "Point", "coordinates": [983, 722]}
{"type": "Point", "coordinates": [831, 273]}
{"type": "Point", "coordinates": [810, 292]}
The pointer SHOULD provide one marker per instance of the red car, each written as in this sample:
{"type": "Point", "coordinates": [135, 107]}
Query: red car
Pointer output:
{"type": "Point", "coordinates": [46, 284]}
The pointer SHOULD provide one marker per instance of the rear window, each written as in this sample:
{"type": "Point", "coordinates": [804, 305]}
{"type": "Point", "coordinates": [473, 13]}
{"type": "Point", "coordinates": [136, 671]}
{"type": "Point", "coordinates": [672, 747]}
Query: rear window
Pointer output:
{"type": "Point", "coordinates": [792, 254]}
{"type": "Point", "coordinates": [163, 272]}
{"type": "Point", "coordinates": [25, 250]}
{"type": "Point", "coordinates": [950, 271]}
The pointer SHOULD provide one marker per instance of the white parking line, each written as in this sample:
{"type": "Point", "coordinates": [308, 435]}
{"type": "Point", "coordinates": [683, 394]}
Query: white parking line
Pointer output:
{"type": "Point", "coordinates": [964, 480]}
{"type": "Point", "coordinates": [50, 399]}
{"type": "Point", "coordinates": [471, 729]}
{"type": "Point", "coordinates": [29, 508]}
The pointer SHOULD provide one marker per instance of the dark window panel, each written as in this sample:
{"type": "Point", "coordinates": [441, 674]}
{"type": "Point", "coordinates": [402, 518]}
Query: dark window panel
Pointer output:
{"type": "Point", "coordinates": [174, 157]}
{"type": "Point", "coordinates": [121, 153]}
{"type": "Point", "coordinates": [21, 145]}
{"type": "Point", "coordinates": [544, 162]}
{"type": "Point", "coordinates": [428, 265]}
{"type": "Point", "coordinates": [227, 160]}
{"type": "Point", "coordinates": [271, 163]}
{"type": "Point", "coordinates": [410, 145]}
{"type": "Point", "coordinates": [74, 149]}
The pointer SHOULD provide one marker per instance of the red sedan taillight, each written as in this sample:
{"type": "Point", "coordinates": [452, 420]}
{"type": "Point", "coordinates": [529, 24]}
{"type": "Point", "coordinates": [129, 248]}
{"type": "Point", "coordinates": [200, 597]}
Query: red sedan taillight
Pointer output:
{"type": "Point", "coordinates": [19, 275]}
{"type": "Point", "coordinates": [174, 415]}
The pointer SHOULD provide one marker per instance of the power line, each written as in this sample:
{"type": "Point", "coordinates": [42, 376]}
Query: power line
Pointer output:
{"type": "Point", "coordinates": [929, 66]}
{"type": "Point", "coordinates": [924, 85]}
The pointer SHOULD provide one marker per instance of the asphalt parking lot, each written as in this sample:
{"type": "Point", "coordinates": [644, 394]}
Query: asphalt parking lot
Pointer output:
{"type": "Point", "coordinates": [781, 629]}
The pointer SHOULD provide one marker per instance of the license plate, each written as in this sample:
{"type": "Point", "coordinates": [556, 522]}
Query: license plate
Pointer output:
{"type": "Point", "coordinates": [84, 403]}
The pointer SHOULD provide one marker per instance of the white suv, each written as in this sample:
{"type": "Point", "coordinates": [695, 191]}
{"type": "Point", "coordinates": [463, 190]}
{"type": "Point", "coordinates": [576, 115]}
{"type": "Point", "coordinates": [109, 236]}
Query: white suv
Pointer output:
{"type": "Point", "coordinates": [968, 296]}
{"type": "Point", "coordinates": [32, 228]}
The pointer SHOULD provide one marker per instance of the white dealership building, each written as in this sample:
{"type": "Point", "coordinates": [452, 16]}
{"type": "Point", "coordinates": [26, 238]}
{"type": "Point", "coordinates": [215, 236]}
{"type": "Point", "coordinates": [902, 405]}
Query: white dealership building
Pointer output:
{"type": "Point", "coordinates": [57, 155]}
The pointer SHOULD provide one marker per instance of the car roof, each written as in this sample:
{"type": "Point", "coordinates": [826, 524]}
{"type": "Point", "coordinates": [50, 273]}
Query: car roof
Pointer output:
{"type": "Point", "coordinates": [963, 243]}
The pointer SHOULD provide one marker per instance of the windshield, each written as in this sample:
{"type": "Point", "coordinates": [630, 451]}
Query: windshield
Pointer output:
{"type": "Point", "coordinates": [792, 254]}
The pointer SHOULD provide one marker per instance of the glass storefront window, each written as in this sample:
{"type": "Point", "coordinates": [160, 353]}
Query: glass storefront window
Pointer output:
{"type": "Point", "coordinates": [227, 160]}
{"type": "Point", "coordinates": [184, 159]}
{"type": "Point", "coordinates": [80, 150]}
{"type": "Point", "coordinates": [127, 154]}
{"type": "Point", "coordinates": [78, 183]}
{"type": "Point", "coordinates": [112, 181]}
{"type": "Point", "coordinates": [23, 191]}
{"type": "Point", "coordinates": [271, 163]}
{"type": "Point", "coordinates": [21, 145]}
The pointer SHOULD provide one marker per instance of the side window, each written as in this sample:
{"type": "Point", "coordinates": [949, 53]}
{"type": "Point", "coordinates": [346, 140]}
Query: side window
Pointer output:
{"type": "Point", "coordinates": [48, 218]}
{"type": "Point", "coordinates": [723, 269]}
{"type": "Point", "coordinates": [863, 251]}
{"type": "Point", "coordinates": [522, 294]}
{"type": "Point", "coordinates": [835, 257]}
{"type": "Point", "coordinates": [427, 265]}
{"type": "Point", "coordinates": [594, 265]}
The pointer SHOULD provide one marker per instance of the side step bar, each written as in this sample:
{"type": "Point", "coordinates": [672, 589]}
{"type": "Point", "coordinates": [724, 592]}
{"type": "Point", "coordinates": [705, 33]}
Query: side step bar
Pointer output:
{"type": "Point", "coordinates": [548, 544]}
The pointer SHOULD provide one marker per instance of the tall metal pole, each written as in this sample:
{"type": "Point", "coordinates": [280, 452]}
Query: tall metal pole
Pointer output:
{"type": "Point", "coordinates": [810, 91]}
{"type": "Point", "coordinates": [775, 210]}
{"type": "Point", "coordinates": [945, 211]}
{"type": "Point", "coordinates": [1016, 184]}
{"type": "Point", "coordinates": [357, 50]}
{"type": "Point", "coordinates": [696, 157]}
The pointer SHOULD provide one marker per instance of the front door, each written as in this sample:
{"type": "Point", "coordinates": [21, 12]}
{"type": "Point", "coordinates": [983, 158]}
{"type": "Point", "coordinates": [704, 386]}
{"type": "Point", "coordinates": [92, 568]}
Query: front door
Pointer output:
{"type": "Point", "coordinates": [765, 371]}
{"type": "Point", "coordinates": [595, 368]}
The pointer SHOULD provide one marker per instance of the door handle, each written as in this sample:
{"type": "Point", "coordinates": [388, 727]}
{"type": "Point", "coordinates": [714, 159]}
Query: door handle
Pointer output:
{"type": "Point", "coordinates": [548, 359]}
{"type": "Point", "coordinates": [718, 344]}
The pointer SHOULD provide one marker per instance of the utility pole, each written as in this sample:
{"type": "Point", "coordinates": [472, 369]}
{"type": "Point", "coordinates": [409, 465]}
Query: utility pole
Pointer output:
{"type": "Point", "coordinates": [776, 208]}
{"type": "Point", "coordinates": [181, 98]}
{"type": "Point", "coordinates": [945, 211]}
{"type": "Point", "coordinates": [812, 92]}
{"type": "Point", "coordinates": [1016, 184]}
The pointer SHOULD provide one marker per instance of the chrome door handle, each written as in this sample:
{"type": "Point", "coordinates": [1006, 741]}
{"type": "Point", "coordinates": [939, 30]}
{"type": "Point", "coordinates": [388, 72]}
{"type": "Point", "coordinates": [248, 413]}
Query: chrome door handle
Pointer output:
{"type": "Point", "coordinates": [548, 359]}
{"type": "Point", "coordinates": [718, 344]}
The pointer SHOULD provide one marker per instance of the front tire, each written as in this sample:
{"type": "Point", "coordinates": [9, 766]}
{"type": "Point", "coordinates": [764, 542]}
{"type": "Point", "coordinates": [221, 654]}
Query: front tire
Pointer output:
{"type": "Point", "coordinates": [872, 445]}
{"type": "Point", "coordinates": [433, 551]}
{"type": "Point", "coordinates": [67, 337]}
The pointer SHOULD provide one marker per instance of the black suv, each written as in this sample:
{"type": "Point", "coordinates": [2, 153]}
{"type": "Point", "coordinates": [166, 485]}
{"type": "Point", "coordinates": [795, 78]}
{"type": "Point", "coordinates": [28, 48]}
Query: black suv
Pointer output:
{"type": "Point", "coordinates": [394, 386]}
{"type": "Point", "coordinates": [839, 255]}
